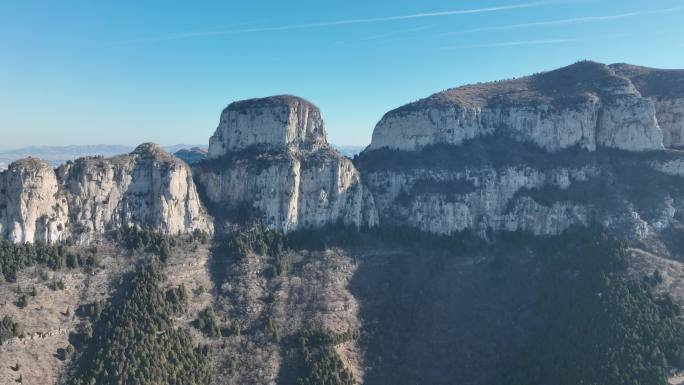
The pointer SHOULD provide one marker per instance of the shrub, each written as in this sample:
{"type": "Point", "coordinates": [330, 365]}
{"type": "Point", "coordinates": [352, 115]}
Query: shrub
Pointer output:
{"type": "Point", "coordinates": [207, 322]}
{"type": "Point", "coordinates": [9, 329]}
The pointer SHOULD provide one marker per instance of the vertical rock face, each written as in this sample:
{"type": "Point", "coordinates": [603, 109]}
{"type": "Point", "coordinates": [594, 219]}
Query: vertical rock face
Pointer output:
{"type": "Point", "coordinates": [585, 105]}
{"type": "Point", "coordinates": [629, 123]}
{"type": "Point", "coordinates": [666, 89]}
{"type": "Point", "coordinates": [429, 192]}
{"type": "Point", "coordinates": [537, 154]}
{"type": "Point", "coordinates": [86, 197]}
{"type": "Point", "coordinates": [272, 122]}
{"type": "Point", "coordinates": [489, 186]}
{"type": "Point", "coordinates": [146, 188]}
{"type": "Point", "coordinates": [670, 114]}
{"type": "Point", "coordinates": [530, 154]}
{"type": "Point", "coordinates": [271, 157]}
{"type": "Point", "coordinates": [31, 207]}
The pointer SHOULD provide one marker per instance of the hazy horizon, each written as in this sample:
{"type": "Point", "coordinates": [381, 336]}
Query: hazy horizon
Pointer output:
{"type": "Point", "coordinates": [131, 146]}
{"type": "Point", "coordinates": [57, 155]}
{"type": "Point", "coordinates": [82, 73]}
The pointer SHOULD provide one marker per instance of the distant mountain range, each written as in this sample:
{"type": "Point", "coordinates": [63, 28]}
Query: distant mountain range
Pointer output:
{"type": "Point", "coordinates": [56, 155]}
{"type": "Point", "coordinates": [349, 151]}
{"type": "Point", "coordinates": [524, 231]}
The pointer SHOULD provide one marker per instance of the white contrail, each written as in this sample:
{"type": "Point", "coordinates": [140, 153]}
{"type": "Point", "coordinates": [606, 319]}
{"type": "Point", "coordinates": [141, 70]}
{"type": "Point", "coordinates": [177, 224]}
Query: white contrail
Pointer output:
{"type": "Point", "coordinates": [347, 22]}
{"type": "Point", "coordinates": [387, 36]}
{"type": "Point", "coordinates": [575, 20]}
{"type": "Point", "coordinates": [512, 43]}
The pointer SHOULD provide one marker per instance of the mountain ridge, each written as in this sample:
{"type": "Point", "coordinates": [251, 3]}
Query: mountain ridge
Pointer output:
{"type": "Point", "coordinates": [463, 245]}
{"type": "Point", "coordinates": [586, 104]}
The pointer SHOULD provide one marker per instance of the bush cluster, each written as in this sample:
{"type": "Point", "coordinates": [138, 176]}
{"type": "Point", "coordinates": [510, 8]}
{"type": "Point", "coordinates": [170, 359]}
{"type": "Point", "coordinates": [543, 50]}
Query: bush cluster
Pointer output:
{"type": "Point", "coordinates": [14, 257]}
{"type": "Point", "coordinates": [599, 325]}
{"type": "Point", "coordinates": [322, 364]}
{"type": "Point", "coordinates": [9, 329]}
{"type": "Point", "coordinates": [135, 342]}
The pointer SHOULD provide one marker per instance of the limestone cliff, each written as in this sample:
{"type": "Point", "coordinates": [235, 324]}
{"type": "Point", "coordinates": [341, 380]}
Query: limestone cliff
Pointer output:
{"type": "Point", "coordinates": [586, 105]}
{"type": "Point", "coordinates": [531, 154]}
{"type": "Point", "coordinates": [538, 154]}
{"type": "Point", "coordinates": [84, 198]}
{"type": "Point", "coordinates": [584, 144]}
{"type": "Point", "coordinates": [31, 207]}
{"type": "Point", "coordinates": [666, 89]}
{"type": "Point", "coordinates": [272, 122]}
{"type": "Point", "coordinates": [270, 157]}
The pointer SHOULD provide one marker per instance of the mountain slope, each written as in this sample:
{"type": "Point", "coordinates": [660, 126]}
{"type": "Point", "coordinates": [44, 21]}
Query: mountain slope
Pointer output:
{"type": "Point", "coordinates": [521, 232]}
{"type": "Point", "coordinates": [538, 154]}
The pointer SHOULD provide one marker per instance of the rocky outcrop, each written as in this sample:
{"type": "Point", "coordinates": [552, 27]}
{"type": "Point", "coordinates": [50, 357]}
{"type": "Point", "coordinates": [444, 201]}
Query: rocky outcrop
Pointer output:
{"type": "Point", "coordinates": [585, 143]}
{"type": "Point", "coordinates": [670, 114]}
{"type": "Point", "coordinates": [532, 154]}
{"type": "Point", "coordinates": [273, 122]}
{"type": "Point", "coordinates": [586, 105]}
{"type": "Point", "coordinates": [488, 186]}
{"type": "Point", "coordinates": [31, 206]}
{"type": "Point", "coordinates": [192, 155]}
{"type": "Point", "coordinates": [270, 157]}
{"type": "Point", "coordinates": [84, 198]}
{"type": "Point", "coordinates": [666, 89]}
{"type": "Point", "coordinates": [481, 199]}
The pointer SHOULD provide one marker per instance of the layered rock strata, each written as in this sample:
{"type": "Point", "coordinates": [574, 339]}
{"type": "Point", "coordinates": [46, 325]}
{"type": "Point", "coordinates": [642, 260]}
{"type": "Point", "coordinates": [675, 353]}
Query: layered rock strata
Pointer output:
{"type": "Point", "coordinates": [540, 154]}
{"type": "Point", "coordinates": [585, 105]}
{"type": "Point", "coordinates": [31, 205]}
{"type": "Point", "coordinates": [270, 157]}
{"type": "Point", "coordinates": [273, 122]}
{"type": "Point", "coordinates": [666, 89]}
{"type": "Point", "coordinates": [84, 198]}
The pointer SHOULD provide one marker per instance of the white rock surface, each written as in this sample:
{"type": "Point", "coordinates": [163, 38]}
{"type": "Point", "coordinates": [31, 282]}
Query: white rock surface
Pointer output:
{"type": "Point", "coordinates": [271, 156]}
{"type": "Point", "coordinates": [601, 109]}
{"type": "Point", "coordinates": [294, 190]}
{"type": "Point", "coordinates": [292, 178]}
{"type": "Point", "coordinates": [542, 125]}
{"type": "Point", "coordinates": [31, 207]}
{"type": "Point", "coordinates": [587, 105]}
{"type": "Point", "coordinates": [541, 200]}
{"type": "Point", "coordinates": [149, 187]}
{"type": "Point", "coordinates": [84, 198]}
{"type": "Point", "coordinates": [271, 122]}
{"type": "Point", "coordinates": [665, 88]}
{"type": "Point", "coordinates": [629, 123]}
{"type": "Point", "coordinates": [487, 199]}
{"type": "Point", "coordinates": [670, 114]}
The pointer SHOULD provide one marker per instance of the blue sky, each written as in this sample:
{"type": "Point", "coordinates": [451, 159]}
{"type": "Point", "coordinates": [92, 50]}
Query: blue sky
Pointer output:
{"type": "Point", "coordinates": [125, 72]}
